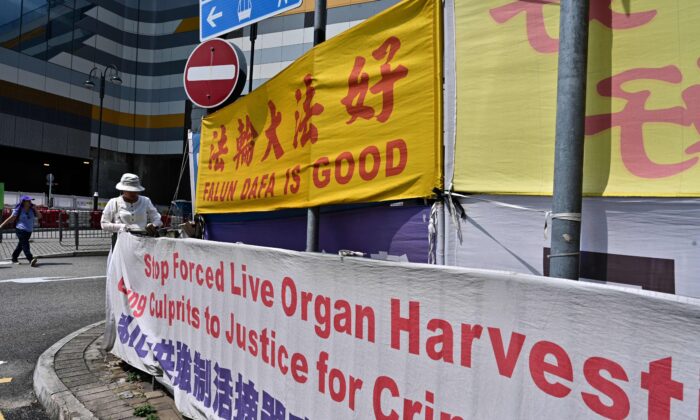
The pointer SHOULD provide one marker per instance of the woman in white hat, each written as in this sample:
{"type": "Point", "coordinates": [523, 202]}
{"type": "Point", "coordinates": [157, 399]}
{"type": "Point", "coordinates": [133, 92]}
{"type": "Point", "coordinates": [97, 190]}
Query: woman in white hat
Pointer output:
{"type": "Point", "coordinates": [130, 212]}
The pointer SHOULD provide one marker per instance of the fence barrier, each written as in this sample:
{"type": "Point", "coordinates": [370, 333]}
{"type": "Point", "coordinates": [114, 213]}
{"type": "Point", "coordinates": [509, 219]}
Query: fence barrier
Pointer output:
{"type": "Point", "coordinates": [74, 225]}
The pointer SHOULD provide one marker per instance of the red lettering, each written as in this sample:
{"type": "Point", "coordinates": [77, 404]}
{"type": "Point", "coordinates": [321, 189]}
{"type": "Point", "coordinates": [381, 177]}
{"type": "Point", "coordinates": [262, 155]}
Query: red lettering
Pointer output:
{"type": "Point", "coordinates": [506, 362]}
{"type": "Point", "coordinates": [445, 340]}
{"type": "Point", "coordinates": [392, 167]}
{"type": "Point", "coordinates": [380, 385]}
{"type": "Point", "coordinates": [620, 407]}
{"type": "Point", "coordinates": [326, 173]}
{"type": "Point", "coordinates": [300, 368]}
{"type": "Point", "coordinates": [662, 388]}
{"type": "Point", "coordinates": [539, 366]}
{"type": "Point", "coordinates": [344, 179]}
{"type": "Point", "coordinates": [410, 325]}
{"type": "Point", "coordinates": [469, 334]}
{"type": "Point", "coordinates": [370, 174]}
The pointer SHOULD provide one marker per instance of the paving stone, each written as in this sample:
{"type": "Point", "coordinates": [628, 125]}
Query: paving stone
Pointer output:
{"type": "Point", "coordinates": [159, 400]}
{"type": "Point", "coordinates": [84, 379]}
{"type": "Point", "coordinates": [95, 396]}
{"type": "Point", "coordinates": [66, 357]}
{"type": "Point", "coordinates": [78, 388]}
{"type": "Point", "coordinates": [153, 394]}
{"type": "Point", "coordinates": [121, 408]}
{"type": "Point", "coordinates": [95, 390]}
{"type": "Point", "coordinates": [69, 376]}
{"type": "Point", "coordinates": [62, 364]}
{"type": "Point", "coordinates": [104, 402]}
{"type": "Point", "coordinates": [127, 414]}
{"type": "Point", "coordinates": [169, 415]}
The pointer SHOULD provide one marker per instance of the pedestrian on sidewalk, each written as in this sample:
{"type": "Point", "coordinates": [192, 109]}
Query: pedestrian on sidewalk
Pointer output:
{"type": "Point", "coordinates": [24, 213]}
{"type": "Point", "coordinates": [130, 212]}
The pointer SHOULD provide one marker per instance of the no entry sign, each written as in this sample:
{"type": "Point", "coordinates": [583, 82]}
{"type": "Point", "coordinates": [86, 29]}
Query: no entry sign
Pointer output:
{"type": "Point", "coordinates": [211, 73]}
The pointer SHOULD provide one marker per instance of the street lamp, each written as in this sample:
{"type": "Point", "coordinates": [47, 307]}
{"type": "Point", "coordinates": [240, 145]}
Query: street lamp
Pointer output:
{"type": "Point", "coordinates": [114, 78]}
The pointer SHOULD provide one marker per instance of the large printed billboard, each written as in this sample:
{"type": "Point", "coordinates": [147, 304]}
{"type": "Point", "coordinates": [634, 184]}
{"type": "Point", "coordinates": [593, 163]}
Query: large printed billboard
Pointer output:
{"type": "Point", "coordinates": [356, 119]}
{"type": "Point", "coordinates": [643, 101]}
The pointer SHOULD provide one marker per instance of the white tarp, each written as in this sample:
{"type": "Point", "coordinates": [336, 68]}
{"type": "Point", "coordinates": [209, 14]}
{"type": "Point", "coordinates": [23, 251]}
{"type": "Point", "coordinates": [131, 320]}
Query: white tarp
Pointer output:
{"type": "Point", "coordinates": [249, 332]}
{"type": "Point", "coordinates": [652, 243]}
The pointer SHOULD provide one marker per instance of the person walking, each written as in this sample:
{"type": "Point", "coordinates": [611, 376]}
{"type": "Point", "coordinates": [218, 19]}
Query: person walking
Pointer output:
{"type": "Point", "coordinates": [130, 212]}
{"type": "Point", "coordinates": [24, 213]}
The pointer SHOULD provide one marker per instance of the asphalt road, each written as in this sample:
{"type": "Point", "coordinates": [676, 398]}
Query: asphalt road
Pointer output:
{"type": "Point", "coordinates": [38, 307]}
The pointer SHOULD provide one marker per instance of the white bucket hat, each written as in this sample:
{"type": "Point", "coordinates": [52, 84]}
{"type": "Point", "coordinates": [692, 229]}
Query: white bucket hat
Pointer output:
{"type": "Point", "coordinates": [130, 182]}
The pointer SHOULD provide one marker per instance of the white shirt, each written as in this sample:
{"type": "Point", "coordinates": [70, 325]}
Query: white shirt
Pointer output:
{"type": "Point", "coordinates": [120, 215]}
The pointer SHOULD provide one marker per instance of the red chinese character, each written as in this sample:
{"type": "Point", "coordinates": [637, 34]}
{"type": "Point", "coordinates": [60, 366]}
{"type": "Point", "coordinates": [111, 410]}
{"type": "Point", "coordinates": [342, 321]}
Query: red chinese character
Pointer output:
{"type": "Point", "coordinates": [216, 161]}
{"type": "Point", "coordinates": [537, 35]}
{"type": "Point", "coordinates": [632, 118]}
{"type": "Point", "coordinates": [245, 143]}
{"type": "Point", "coordinates": [691, 97]}
{"type": "Point", "coordinates": [358, 84]}
{"type": "Point", "coordinates": [273, 142]}
{"type": "Point", "coordinates": [305, 131]}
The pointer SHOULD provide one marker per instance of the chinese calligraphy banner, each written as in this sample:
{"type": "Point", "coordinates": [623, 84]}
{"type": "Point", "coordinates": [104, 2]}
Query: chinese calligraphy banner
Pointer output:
{"type": "Point", "coordinates": [356, 119]}
{"type": "Point", "coordinates": [643, 101]}
{"type": "Point", "coordinates": [243, 332]}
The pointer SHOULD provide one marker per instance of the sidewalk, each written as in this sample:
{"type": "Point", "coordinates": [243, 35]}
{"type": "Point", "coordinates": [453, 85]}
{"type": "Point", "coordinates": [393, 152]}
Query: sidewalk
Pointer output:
{"type": "Point", "coordinates": [53, 248]}
{"type": "Point", "coordinates": [75, 379]}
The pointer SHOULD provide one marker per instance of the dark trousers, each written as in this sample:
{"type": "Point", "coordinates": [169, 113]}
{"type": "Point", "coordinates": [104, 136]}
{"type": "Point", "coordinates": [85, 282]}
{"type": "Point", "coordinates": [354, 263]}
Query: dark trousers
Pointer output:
{"type": "Point", "coordinates": [23, 245]}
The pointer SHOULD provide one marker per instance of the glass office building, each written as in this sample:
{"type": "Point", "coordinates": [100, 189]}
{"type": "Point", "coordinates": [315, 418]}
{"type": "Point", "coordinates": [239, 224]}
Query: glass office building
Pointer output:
{"type": "Point", "coordinates": [49, 120]}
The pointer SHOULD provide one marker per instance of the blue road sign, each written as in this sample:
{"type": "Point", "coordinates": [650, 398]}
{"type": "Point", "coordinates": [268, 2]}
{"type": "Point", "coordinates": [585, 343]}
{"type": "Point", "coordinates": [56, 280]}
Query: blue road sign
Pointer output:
{"type": "Point", "coordinates": [217, 17]}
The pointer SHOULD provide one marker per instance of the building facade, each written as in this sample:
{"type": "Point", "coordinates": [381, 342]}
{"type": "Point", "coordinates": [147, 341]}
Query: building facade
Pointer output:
{"type": "Point", "coordinates": [49, 119]}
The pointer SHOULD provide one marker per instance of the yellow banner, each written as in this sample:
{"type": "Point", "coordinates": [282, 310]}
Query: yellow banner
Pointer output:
{"type": "Point", "coordinates": [356, 119]}
{"type": "Point", "coordinates": [643, 101]}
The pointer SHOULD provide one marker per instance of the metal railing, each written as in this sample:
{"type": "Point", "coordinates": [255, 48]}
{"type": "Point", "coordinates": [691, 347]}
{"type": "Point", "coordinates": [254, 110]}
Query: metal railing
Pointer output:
{"type": "Point", "coordinates": [68, 226]}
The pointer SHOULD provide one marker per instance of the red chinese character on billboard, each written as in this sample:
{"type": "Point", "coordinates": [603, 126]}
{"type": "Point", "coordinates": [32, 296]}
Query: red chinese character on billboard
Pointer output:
{"type": "Point", "coordinates": [358, 83]}
{"type": "Point", "coordinates": [245, 142]}
{"type": "Point", "coordinates": [218, 149]}
{"type": "Point", "coordinates": [633, 117]}
{"type": "Point", "coordinates": [537, 35]}
{"type": "Point", "coordinates": [305, 131]}
{"type": "Point", "coordinates": [273, 141]}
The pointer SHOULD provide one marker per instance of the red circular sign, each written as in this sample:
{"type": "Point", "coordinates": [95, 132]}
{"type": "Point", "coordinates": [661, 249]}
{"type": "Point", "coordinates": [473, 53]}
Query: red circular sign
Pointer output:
{"type": "Point", "coordinates": [211, 73]}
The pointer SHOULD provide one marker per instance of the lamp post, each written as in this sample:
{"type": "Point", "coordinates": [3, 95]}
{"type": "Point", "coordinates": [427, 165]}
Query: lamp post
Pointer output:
{"type": "Point", "coordinates": [114, 78]}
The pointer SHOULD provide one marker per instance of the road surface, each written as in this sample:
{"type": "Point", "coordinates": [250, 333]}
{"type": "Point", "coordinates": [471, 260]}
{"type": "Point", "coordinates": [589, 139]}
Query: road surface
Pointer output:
{"type": "Point", "coordinates": [38, 307]}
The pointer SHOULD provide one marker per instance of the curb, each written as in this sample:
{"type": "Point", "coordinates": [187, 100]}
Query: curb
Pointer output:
{"type": "Point", "coordinates": [58, 401]}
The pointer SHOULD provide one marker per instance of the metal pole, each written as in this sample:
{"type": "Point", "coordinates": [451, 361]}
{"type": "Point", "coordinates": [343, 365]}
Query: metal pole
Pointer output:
{"type": "Point", "coordinates": [570, 125]}
{"type": "Point", "coordinates": [99, 143]}
{"type": "Point", "coordinates": [313, 214]}
{"type": "Point", "coordinates": [253, 37]}
{"type": "Point", "coordinates": [76, 231]}
{"type": "Point", "coordinates": [320, 18]}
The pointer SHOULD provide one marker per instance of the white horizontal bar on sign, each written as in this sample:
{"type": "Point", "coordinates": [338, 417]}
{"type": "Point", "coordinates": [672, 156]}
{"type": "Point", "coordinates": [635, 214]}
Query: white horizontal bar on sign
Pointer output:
{"type": "Point", "coordinates": [225, 72]}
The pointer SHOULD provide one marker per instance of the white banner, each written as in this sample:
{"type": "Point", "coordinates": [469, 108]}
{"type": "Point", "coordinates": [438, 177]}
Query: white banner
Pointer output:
{"type": "Point", "coordinates": [244, 332]}
{"type": "Point", "coordinates": [649, 243]}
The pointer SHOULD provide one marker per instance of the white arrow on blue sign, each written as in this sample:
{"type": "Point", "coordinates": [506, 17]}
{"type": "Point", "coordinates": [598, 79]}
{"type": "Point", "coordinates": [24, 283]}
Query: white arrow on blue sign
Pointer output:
{"type": "Point", "coordinates": [217, 17]}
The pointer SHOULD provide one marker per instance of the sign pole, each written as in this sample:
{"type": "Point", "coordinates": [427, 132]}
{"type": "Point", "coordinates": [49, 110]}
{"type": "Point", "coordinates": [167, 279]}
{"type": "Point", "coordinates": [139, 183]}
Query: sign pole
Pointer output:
{"type": "Point", "coordinates": [212, 73]}
{"type": "Point", "coordinates": [50, 190]}
{"type": "Point", "coordinates": [313, 214]}
{"type": "Point", "coordinates": [570, 128]}
{"type": "Point", "coordinates": [253, 37]}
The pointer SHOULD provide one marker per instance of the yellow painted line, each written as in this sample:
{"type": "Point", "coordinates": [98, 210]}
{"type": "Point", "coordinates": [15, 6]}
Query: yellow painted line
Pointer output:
{"type": "Point", "coordinates": [1, 416]}
{"type": "Point", "coordinates": [4, 381]}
